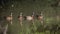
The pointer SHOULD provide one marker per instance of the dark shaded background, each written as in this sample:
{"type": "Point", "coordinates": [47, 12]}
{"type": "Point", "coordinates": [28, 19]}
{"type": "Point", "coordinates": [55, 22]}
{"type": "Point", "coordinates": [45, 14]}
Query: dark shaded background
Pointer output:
{"type": "Point", "coordinates": [49, 8]}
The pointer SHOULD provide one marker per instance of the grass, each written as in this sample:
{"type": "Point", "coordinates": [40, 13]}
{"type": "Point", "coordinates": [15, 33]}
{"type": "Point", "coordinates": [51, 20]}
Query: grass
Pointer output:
{"type": "Point", "coordinates": [28, 28]}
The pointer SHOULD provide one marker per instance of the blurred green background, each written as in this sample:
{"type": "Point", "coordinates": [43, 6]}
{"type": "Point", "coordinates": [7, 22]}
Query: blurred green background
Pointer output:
{"type": "Point", "coordinates": [50, 14]}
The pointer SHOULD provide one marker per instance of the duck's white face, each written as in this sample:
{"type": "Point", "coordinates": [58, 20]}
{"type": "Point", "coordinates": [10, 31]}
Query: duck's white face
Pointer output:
{"type": "Point", "coordinates": [29, 18]}
{"type": "Point", "coordinates": [40, 17]}
{"type": "Point", "coordinates": [9, 18]}
{"type": "Point", "coordinates": [20, 18]}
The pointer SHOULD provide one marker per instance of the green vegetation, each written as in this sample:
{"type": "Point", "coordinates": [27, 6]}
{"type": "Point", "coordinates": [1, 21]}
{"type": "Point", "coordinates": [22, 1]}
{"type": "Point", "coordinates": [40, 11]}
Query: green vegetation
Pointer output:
{"type": "Point", "coordinates": [27, 7]}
